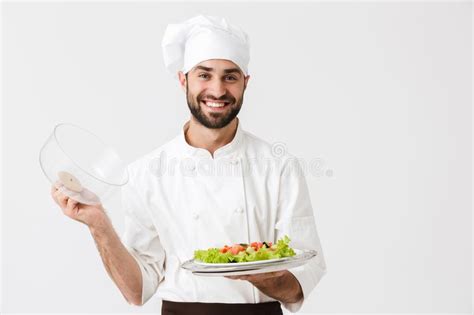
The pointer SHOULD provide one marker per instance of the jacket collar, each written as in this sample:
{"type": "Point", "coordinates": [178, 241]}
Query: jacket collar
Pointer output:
{"type": "Point", "coordinates": [231, 149]}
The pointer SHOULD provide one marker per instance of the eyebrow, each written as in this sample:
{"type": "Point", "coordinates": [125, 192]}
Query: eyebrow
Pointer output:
{"type": "Point", "coordinates": [226, 71]}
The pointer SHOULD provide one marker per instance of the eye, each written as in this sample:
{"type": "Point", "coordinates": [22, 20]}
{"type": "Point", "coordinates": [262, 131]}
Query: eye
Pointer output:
{"type": "Point", "coordinates": [203, 75]}
{"type": "Point", "coordinates": [231, 78]}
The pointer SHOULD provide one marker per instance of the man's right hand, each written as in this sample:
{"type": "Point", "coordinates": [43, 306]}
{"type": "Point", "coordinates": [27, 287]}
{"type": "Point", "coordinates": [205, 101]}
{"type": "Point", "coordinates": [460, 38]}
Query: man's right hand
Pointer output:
{"type": "Point", "coordinates": [92, 216]}
{"type": "Point", "coordinates": [119, 263]}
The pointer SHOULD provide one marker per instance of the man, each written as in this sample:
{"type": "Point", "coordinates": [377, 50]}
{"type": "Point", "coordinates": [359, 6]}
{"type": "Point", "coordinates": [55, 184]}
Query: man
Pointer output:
{"type": "Point", "coordinates": [213, 184]}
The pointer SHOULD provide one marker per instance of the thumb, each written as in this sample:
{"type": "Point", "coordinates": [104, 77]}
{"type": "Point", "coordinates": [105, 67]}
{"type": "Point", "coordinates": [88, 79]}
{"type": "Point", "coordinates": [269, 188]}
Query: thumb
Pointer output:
{"type": "Point", "coordinates": [71, 204]}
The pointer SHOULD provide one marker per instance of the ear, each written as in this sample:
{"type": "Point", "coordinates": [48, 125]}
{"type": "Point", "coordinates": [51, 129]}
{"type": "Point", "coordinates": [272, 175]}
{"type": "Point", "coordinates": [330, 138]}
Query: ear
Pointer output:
{"type": "Point", "coordinates": [246, 80]}
{"type": "Point", "coordinates": [182, 80]}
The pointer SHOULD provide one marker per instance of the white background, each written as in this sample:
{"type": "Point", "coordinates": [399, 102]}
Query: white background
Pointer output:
{"type": "Point", "coordinates": [380, 92]}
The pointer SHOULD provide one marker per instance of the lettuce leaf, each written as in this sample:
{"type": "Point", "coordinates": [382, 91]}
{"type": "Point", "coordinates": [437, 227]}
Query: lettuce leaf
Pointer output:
{"type": "Point", "coordinates": [212, 255]}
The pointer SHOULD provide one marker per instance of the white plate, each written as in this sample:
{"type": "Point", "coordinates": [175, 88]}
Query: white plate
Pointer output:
{"type": "Point", "coordinates": [284, 266]}
{"type": "Point", "coordinates": [247, 263]}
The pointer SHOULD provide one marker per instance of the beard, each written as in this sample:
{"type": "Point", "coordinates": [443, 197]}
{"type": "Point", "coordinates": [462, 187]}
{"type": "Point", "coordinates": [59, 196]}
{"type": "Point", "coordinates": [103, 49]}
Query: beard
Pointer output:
{"type": "Point", "coordinates": [214, 120]}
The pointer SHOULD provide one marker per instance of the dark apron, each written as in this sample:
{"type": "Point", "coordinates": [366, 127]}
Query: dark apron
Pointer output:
{"type": "Point", "coordinates": [192, 308]}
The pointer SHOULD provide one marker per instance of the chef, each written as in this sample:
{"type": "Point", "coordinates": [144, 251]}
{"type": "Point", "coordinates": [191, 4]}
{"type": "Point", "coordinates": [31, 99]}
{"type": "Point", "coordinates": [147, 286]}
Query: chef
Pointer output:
{"type": "Point", "coordinates": [213, 184]}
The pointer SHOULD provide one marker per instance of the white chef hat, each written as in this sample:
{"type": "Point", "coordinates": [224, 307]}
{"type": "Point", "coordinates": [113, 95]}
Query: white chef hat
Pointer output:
{"type": "Point", "coordinates": [202, 38]}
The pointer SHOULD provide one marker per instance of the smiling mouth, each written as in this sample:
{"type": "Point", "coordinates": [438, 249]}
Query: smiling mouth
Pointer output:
{"type": "Point", "coordinates": [215, 104]}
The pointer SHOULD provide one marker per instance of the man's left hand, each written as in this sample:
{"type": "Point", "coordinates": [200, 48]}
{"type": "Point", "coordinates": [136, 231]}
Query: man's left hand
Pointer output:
{"type": "Point", "coordinates": [260, 277]}
{"type": "Point", "coordinates": [280, 285]}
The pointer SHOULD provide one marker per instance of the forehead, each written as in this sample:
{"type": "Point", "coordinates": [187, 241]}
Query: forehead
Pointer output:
{"type": "Point", "coordinates": [217, 65]}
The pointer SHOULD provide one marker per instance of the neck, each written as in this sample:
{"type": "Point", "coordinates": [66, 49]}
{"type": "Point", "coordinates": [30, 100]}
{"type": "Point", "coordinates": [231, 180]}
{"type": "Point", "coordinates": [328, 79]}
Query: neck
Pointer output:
{"type": "Point", "coordinates": [200, 136]}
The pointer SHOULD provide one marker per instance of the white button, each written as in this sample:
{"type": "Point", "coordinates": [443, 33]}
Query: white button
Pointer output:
{"type": "Point", "coordinates": [234, 162]}
{"type": "Point", "coordinates": [239, 210]}
{"type": "Point", "coordinates": [195, 215]}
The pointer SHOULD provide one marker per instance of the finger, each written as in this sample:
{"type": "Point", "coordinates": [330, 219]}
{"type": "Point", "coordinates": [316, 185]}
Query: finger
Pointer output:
{"type": "Point", "coordinates": [257, 277]}
{"type": "Point", "coordinates": [53, 189]}
{"type": "Point", "coordinates": [279, 273]}
{"type": "Point", "coordinates": [53, 192]}
{"type": "Point", "coordinates": [233, 277]}
{"type": "Point", "coordinates": [267, 275]}
{"type": "Point", "coordinates": [56, 196]}
{"type": "Point", "coordinates": [62, 199]}
{"type": "Point", "coordinates": [71, 204]}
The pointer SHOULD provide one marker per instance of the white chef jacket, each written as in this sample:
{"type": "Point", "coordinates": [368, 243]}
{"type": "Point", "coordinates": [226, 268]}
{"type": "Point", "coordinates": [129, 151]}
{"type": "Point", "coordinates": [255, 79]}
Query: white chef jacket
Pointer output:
{"type": "Point", "coordinates": [180, 198]}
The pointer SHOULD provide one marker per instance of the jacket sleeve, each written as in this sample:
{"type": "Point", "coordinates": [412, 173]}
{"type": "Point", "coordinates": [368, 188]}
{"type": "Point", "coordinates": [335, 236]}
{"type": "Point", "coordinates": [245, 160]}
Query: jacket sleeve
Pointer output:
{"type": "Point", "coordinates": [141, 239]}
{"type": "Point", "coordinates": [295, 218]}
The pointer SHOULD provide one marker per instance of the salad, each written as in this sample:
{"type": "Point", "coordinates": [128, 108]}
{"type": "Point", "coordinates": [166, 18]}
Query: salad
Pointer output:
{"type": "Point", "coordinates": [239, 253]}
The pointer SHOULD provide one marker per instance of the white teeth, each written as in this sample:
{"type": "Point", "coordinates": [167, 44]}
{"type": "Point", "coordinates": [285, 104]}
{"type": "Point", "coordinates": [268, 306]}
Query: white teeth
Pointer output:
{"type": "Point", "coordinates": [211, 104]}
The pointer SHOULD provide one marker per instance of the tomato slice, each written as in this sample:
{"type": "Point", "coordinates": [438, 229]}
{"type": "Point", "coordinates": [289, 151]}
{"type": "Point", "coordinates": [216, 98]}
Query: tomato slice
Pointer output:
{"type": "Point", "coordinates": [237, 248]}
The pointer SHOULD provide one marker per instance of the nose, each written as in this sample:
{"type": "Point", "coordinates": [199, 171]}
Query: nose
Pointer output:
{"type": "Point", "coordinates": [217, 88]}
